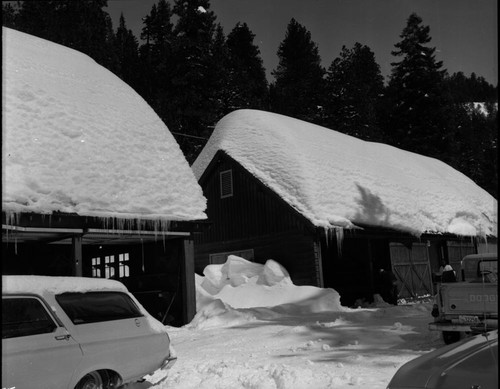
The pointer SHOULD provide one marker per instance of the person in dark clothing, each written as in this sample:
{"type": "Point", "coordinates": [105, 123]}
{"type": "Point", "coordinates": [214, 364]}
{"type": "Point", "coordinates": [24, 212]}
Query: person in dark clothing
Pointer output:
{"type": "Point", "coordinates": [387, 286]}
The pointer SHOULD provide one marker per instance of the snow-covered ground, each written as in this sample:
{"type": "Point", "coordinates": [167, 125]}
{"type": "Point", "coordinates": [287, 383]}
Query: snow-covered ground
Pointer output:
{"type": "Point", "coordinates": [254, 329]}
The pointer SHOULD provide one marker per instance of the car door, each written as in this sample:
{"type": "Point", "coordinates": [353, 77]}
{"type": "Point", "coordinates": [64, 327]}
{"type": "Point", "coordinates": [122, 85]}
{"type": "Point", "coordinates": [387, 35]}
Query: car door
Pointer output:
{"type": "Point", "coordinates": [37, 351]}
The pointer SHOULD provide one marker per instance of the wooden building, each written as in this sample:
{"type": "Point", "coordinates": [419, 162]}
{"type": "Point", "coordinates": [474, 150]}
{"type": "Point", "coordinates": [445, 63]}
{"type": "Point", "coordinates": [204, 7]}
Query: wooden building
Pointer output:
{"type": "Point", "coordinates": [249, 218]}
{"type": "Point", "coordinates": [94, 184]}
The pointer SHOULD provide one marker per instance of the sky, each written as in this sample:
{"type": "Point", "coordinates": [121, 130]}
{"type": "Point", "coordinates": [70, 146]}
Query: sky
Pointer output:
{"type": "Point", "coordinates": [463, 31]}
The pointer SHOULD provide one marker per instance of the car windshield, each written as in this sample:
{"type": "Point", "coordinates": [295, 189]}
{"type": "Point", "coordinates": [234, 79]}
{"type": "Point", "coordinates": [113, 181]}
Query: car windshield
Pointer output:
{"type": "Point", "coordinates": [92, 307]}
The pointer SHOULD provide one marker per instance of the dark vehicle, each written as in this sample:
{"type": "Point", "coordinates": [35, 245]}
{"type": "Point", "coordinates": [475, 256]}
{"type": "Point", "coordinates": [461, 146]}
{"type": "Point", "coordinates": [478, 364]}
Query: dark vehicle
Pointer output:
{"type": "Point", "coordinates": [471, 363]}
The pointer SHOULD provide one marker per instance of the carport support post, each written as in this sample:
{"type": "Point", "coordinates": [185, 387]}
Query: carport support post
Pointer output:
{"type": "Point", "coordinates": [188, 284]}
{"type": "Point", "coordinates": [76, 255]}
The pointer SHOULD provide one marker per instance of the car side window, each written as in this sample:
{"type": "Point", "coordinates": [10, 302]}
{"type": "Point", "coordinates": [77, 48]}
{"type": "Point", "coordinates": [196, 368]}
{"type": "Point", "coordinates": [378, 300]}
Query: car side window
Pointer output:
{"type": "Point", "coordinates": [25, 316]}
{"type": "Point", "coordinates": [94, 307]}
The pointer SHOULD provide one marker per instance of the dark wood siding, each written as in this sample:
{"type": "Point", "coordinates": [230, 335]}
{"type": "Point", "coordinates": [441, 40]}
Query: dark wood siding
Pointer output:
{"type": "Point", "coordinates": [253, 209]}
{"type": "Point", "coordinates": [254, 217]}
{"type": "Point", "coordinates": [293, 250]}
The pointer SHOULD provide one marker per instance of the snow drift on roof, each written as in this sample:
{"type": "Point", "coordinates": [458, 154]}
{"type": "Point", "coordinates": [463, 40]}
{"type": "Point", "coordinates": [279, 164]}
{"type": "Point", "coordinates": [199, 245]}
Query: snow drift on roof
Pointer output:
{"type": "Point", "coordinates": [336, 180]}
{"type": "Point", "coordinates": [77, 139]}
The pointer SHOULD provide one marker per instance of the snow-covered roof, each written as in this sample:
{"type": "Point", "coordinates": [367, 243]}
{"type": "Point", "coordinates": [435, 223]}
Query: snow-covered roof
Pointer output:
{"type": "Point", "coordinates": [77, 139]}
{"type": "Point", "coordinates": [338, 181]}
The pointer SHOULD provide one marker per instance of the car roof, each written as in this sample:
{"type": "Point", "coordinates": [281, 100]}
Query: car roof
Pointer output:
{"type": "Point", "coordinates": [43, 285]}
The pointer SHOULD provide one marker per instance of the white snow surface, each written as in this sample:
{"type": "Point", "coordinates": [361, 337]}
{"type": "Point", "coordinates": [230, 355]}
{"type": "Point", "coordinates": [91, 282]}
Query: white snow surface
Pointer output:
{"type": "Point", "coordinates": [254, 329]}
{"type": "Point", "coordinates": [339, 181]}
{"type": "Point", "coordinates": [77, 139]}
{"type": "Point", "coordinates": [42, 284]}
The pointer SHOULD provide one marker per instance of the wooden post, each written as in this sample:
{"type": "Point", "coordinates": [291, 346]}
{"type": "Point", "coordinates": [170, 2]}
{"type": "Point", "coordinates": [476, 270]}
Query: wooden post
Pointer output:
{"type": "Point", "coordinates": [188, 282]}
{"type": "Point", "coordinates": [370, 269]}
{"type": "Point", "coordinates": [318, 259]}
{"type": "Point", "coordinates": [76, 254]}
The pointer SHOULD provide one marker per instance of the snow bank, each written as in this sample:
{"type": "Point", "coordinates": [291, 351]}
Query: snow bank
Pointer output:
{"type": "Point", "coordinates": [77, 139]}
{"type": "Point", "coordinates": [239, 291]}
{"type": "Point", "coordinates": [338, 181]}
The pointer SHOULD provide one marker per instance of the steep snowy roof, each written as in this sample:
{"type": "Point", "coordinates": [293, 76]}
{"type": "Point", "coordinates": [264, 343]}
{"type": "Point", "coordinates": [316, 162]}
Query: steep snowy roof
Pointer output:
{"type": "Point", "coordinates": [336, 180]}
{"type": "Point", "coordinates": [77, 139]}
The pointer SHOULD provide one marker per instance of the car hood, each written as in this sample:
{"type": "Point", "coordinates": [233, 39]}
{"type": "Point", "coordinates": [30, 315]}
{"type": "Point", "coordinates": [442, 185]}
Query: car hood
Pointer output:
{"type": "Point", "coordinates": [470, 362]}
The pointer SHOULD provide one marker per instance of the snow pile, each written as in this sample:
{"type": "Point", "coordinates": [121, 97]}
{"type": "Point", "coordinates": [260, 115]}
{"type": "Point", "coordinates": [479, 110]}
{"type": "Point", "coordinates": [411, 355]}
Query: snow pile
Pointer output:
{"type": "Point", "coordinates": [239, 340]}
{"type": "Point", "coordinates": [77, 139]}
{"type": "Point", "coordinates": [240, 291]}
{"type": "Point", "coordinates": [338, 181]}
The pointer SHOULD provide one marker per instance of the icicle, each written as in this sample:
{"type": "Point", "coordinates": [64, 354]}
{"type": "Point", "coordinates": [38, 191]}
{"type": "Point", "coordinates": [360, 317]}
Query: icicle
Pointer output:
{"type": "Point", "coordinates": [339, 237]}
{"type": "Point", "coordinates": [339, 232]}
{"type": "Point", "coordinates": [142, 250]}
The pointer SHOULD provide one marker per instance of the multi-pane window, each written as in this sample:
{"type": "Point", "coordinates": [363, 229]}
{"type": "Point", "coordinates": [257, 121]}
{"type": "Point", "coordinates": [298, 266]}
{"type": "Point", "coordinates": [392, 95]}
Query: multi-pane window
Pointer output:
{"type": "Point", "coordinates": [111, 265]}
{"type": "Point", "coordinates": [96, 267]}
{"type": "Point", "coordinates": [109, 269]}
{"type": "Point", "coordinates": [123, 269]}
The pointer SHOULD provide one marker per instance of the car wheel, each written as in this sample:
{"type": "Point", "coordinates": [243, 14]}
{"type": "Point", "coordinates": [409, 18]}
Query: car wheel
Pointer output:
{"type": "Point", "coordinates": [91, 380]}
{"type": "Point", "coordinates": [450, 337]}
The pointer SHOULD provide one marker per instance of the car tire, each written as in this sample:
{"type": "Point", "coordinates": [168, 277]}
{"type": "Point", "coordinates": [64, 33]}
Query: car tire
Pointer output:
{"type": "Point", "coordinates": [92, 380]}
{"type": "Point", "coordinates": [450, 337]}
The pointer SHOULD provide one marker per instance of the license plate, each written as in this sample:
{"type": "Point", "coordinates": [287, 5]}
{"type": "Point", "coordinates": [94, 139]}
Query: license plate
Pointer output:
{"type": "Point", "coordinates": [468, 319]}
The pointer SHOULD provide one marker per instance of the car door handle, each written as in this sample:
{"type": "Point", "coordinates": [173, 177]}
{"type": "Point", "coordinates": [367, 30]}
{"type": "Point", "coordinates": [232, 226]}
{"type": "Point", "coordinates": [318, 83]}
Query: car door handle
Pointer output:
{"type": "Point", "coordinates": [63, 337]}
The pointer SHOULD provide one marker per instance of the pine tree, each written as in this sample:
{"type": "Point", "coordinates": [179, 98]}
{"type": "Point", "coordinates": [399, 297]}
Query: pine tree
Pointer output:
{"type": "Point", "coordinates": [299, 83]}
{"type": "Point", "coordinates": [195, 75]}
{"type": "Point", "coordinates": [9, 15]}
{"type": "Point", "coordinates": [419, 116]}
{"type": "Point", "coordinates": [127, 52]}
{"type": "Point", "coordinates": [354, 85]}
{"type": "Point", "coordinates": [81, 25]}
{"type": "Point", "coordinates": [476, 135]}
{"type": "Point", "coordinates": [247, 77]}
{"type": "Point", "coordinates": [470, 89]}
{"type": "Point", "coordinates": [156, 59]}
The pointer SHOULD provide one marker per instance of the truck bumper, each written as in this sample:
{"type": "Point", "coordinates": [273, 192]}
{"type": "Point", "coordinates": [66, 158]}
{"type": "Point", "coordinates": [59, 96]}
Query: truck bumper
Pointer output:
{"type": "Point", "coordinates": [479, 327]}
{"type": "Point", "coordinates": [436, 326]}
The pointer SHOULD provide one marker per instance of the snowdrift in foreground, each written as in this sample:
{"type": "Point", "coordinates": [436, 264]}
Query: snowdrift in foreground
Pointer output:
{"type": "Point", "coordinates": [240, 291]}
{"type": "Point", "coordinates": [240, 340]}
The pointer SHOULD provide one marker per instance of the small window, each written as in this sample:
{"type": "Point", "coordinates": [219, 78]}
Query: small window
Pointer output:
{"type": "Point", "coordinates": [93, 307]}
{"type": "Point", "coordinates": [96, 267]}
{"type": "Point", "coordinates": [221, 258]}
{"type": "Point", "coordinates": [123, 269]}
{"type": "Point", "coordinates": [226, 183]}
{"type": "Point", "coordinates": [25, 316]}
{"type": "Point", "coordinates": [109, 270]}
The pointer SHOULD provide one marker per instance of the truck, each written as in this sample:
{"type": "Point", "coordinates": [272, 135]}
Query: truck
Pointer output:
{"type": "Point", "coordinates": [469, 303]}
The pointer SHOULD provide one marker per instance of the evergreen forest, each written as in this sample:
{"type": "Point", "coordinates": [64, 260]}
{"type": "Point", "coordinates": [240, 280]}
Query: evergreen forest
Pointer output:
{"type": "Point", "coordinates": [192, 74]}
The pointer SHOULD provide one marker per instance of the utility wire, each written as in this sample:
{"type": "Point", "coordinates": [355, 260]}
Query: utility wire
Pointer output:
{"type": "Point", "coordinates": [189, 136]}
